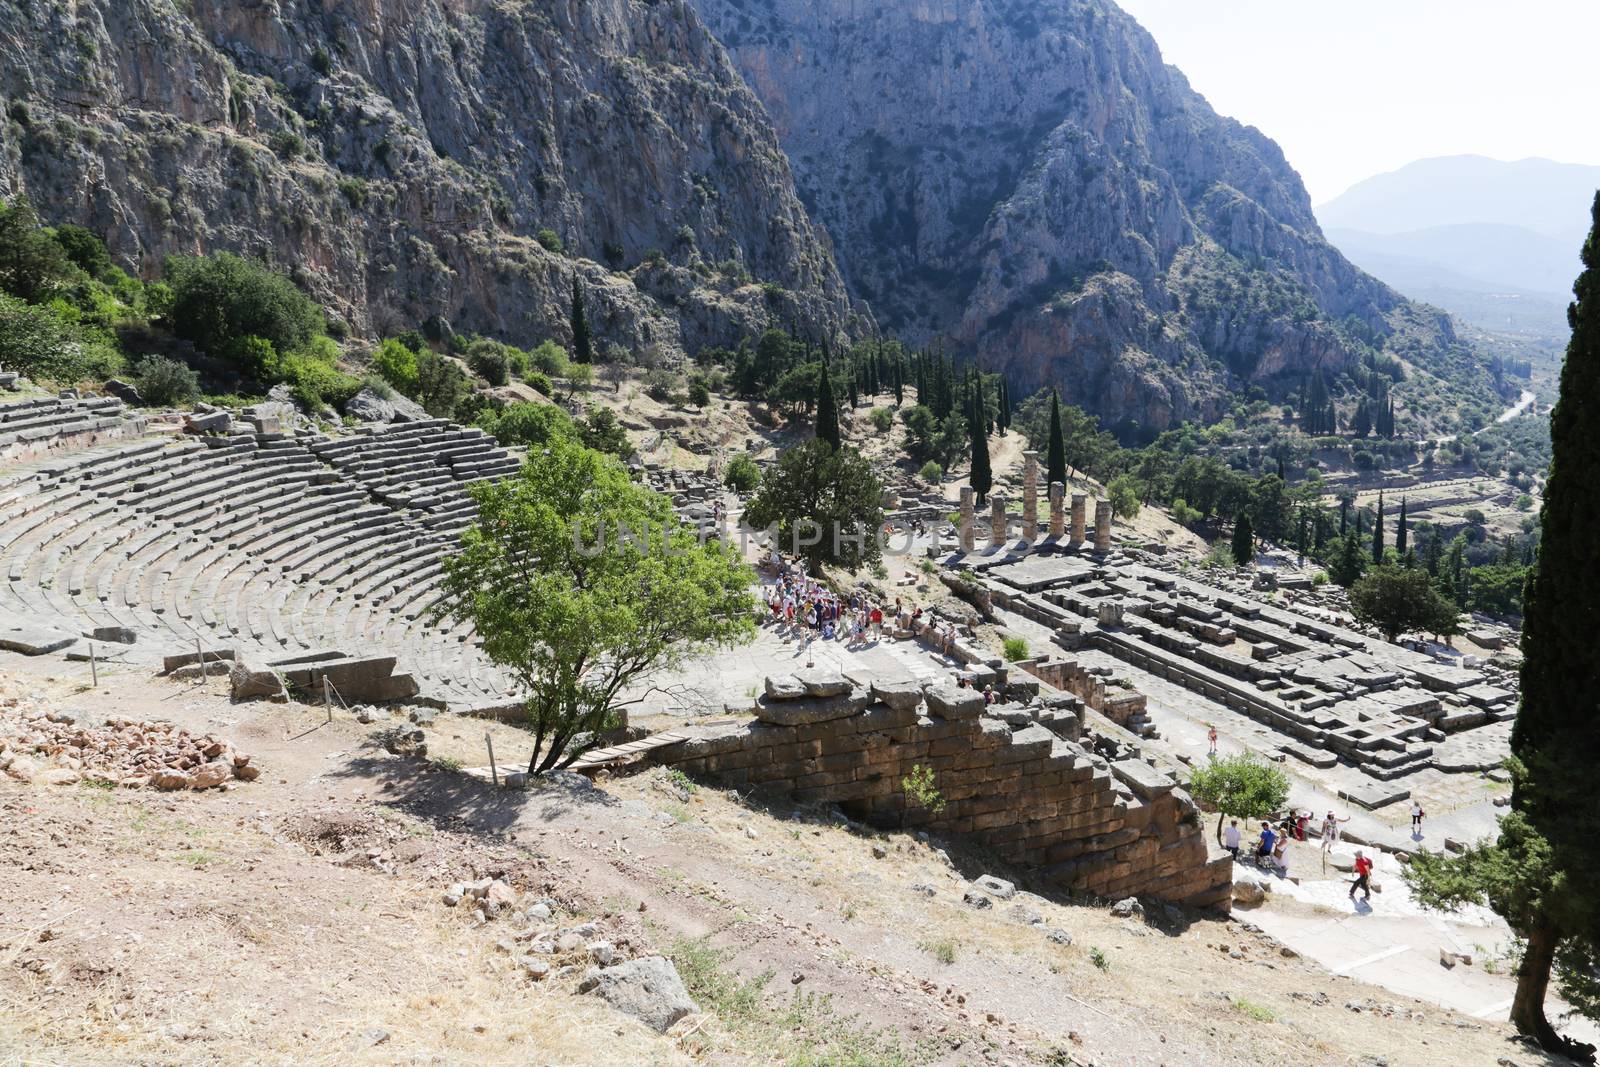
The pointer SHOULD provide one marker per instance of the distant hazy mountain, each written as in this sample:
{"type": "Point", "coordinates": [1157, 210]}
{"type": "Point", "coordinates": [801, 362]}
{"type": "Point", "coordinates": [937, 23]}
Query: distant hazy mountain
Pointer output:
{"type": "Point", "coordinates": [1495, 243]}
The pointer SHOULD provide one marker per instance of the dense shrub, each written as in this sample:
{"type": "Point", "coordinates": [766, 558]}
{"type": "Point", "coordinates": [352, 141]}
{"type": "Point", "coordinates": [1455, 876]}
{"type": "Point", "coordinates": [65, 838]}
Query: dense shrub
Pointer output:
{"type": "Point", "coordinates": [164, 382]}
{"type": "Point", "coordinates": [490, 360]}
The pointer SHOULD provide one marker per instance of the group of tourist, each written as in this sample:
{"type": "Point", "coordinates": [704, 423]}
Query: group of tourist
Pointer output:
{"type": "Point", "coordinates": [1271, 846]}
{"type": "Point", "coordinates": [795, 599]}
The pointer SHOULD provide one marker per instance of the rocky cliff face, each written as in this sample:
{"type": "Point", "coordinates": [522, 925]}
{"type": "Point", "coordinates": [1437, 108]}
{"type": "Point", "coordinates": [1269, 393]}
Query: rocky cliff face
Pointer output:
{"type": "Point", "coordinates": [1030, 180]}
{"type": "Point", "coordinates": [403, 156]}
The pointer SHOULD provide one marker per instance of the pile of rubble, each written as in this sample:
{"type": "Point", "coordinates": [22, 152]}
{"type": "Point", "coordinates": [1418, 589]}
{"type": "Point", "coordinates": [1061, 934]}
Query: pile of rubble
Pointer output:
{"type": "Point", "coordinates": [646, 987]}
{"type": "Point", "coordinates": [51, 747]}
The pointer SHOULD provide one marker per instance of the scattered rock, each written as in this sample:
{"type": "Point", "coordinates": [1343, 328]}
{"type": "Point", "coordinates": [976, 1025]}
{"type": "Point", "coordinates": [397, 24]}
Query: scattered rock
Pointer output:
{"type": "Point", "coordinates": [602, 952]}
{"type": "Point", "coordinates": [879, 852]}
{"type": "Point", "coordinates": [976, 898]}
{"type": "Point", "coordinates": [1058, 936]}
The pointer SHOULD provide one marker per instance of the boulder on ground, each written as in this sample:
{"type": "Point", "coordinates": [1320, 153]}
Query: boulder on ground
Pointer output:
{"type": "Point", "coordinates": [648, 988]}
{"type": "Point", "coordinates": [369, 405]}
{"type": "Point", "coordinates": [124, 391]}
{"type": "Point", "coordinates": [1127, 908]}
{"type": "Point", "coordinates": [995, 887]}
{"type": "Point", "coordinates": [252, 680]}
{"type": "Point", "coordinates": [784, 687]}
{"type": "Point", "coordinates": [210, 775]}
{"type": "Point", "coordinates": [118, 635]}
{"type": "Point", "coordinates": [1248, 892]}
{"type": "Point", "coordinates": [34, 640]}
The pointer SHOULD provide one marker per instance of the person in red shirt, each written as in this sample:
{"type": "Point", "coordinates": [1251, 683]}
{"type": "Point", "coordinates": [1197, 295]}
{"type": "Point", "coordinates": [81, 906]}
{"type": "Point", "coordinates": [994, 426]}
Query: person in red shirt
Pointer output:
{"type": "Point", "coordinates": [1363, 873]}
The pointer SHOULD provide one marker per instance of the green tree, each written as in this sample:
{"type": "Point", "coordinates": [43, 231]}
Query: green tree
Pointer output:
{"type": "Point", "coordinates": [742, 474]}
{"type": "Point", "coordinates": [1397, 600]}
{"type": "Point", "coordinates": [1243, 786]}
{"type": "Point", "coordinates": [32, 265]}
{"type": "Point", "coordinates": [980, 477]}
{"type": "Point", "coordinates": [1056, 455]}
{"type": "Point", "coordinates": [575, 613]}
{"type": "Point", "coordinates": [1349, 560]}
{"type": "Point", "coordinates": [1400, 533]}
{"type": "Point", "coordinates": [219, 301]}
{"type": "Point", "coordinates": [397, 365]}
{"type": "Point", "coordinates": [1244, 540]}
{"type": "Point", "coordinates": [1377, 533]}
{"type": "Point", "coordinates": [582, 342]}
{"type": "Point", "coordinates": [440, 384]}
{"type": "Point", "coordinates": [825, 504]}
{"type": "Point", "coordinates": [827, 410]}
{"type": "Point", "coordinates": [1124, 492]}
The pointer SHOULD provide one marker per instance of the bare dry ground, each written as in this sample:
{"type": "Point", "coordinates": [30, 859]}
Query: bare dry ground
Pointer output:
{"type": "Point", "coordinates": [298, 919]}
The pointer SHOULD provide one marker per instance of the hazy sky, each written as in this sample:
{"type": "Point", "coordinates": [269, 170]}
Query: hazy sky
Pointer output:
{"type": "Point", "coordinates": [1352, 88]}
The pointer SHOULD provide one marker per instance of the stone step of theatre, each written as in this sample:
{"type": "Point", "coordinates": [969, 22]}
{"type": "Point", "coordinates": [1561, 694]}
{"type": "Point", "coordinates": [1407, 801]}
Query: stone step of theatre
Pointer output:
{"type": "Point", "coordinates": [282, 544]}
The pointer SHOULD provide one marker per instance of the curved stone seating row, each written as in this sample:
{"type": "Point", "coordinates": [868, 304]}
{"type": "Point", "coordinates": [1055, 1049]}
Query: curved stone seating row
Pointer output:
{"type": "Point", "coordinates": [42, 425]}
{"type": "Point", "coordinates": [291, 546]}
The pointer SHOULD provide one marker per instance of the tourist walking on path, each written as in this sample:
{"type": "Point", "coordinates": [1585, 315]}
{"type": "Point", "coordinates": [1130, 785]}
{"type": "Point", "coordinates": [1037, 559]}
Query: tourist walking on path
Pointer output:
{"type": "Point", "coordinates": [1363, 876]}
{"type": "Point", "coordinates": [1230, 838]}
{"type": "Point", "coordinates": [1211, 737]}
{"type": "Point", "coordinates": [1416, 819]}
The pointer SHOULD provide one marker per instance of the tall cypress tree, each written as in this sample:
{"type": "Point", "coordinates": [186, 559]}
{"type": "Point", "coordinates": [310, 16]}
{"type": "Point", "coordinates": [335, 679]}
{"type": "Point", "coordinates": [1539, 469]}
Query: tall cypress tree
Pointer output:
{"type": "Point", "coordinates": [1377, 534]}
{"type": "Point", "coordinates": [582, 343]}
{"type": "Point", "coordinates": [1555, 735]}
{"type": "Point", "coordinates": [899, 382]}
{"type": "Point", "coordinates": [1541, 872]}
{"type": "Point", "coordinates": [1244, 539]}
{"type": "Point", "coordinates": [827, 410]}
{"type": "Point", "coordinates": [1055, 463]}
{"type": "Point", "coordinates": [981, 478]}
{"type": "Point", "coordinates": [1400, 535]}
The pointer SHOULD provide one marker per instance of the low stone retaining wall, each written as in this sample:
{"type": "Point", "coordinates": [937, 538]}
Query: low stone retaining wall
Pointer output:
{"type": "Point", "coordinates": [1036, 798]}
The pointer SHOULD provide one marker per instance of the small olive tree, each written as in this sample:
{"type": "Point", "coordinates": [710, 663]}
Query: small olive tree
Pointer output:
{"type": "Point", "coordinates": [1242, 785]}
{"type": "Point", "coordinates": [583, 585]}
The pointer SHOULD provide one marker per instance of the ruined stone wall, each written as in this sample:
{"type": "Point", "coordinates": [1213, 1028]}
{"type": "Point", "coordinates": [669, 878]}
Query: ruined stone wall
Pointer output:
{"type": "Point", "coordinates": [1036, 798]}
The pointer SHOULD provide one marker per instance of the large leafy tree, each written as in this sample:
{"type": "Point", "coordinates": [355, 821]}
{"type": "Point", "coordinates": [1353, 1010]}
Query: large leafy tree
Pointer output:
{"type": "Point", "coordinates": [579, 615]}
{"type": "Point", "coordinates": [1400, 600]}
{"type": "Point", "coordinates": [1244, 786]}
{"type": "Point", "coordinates": [1541, 872]}
{"type": "Point", "coordinates": [33, 265]}
{"type": "Point", "coordinates": [220, 302]}
{"type": "Point", "coordinates": [825, 504]}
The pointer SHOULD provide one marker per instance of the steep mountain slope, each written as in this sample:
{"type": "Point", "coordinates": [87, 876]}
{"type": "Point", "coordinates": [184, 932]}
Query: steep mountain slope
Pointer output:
{"type": "Point", "coordinates": [403, 157]}
{"type": "Point", "coordinates": [1030, 180]}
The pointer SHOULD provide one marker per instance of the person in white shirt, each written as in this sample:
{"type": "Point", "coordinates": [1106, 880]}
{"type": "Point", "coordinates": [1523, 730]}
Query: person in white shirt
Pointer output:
{"type": "Point", "coordinates": [1230, 838]}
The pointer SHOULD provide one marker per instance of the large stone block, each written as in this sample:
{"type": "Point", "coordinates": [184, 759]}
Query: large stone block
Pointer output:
{"type": "Point", "coordinates": [901, 695]}
{"type": "Point", "coordinates": [952, 702]}
{"type": "Point", "coordinates": [824, 683]}
{"type": "Point", "coordinates": [1142, 778]}
{"type": "Point", "coordinates": [808, 710]}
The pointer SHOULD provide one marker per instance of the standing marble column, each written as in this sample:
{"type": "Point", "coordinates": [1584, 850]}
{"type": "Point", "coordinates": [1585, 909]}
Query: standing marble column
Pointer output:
{"type": "Point", "coordinates": [1102, 526]}
{"type": "Point", "coordinates": [1030, 496]}
{"type": "Point", "coordinates": [967, 527]}
{"type": "Point", "coordinates": [1058, 511]}
{"type": "Point", "coordinates": [1078, 518]}
{"type": "Point", "coordinates": [997, 519]}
